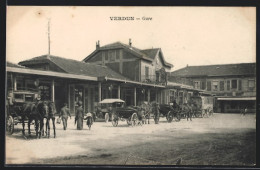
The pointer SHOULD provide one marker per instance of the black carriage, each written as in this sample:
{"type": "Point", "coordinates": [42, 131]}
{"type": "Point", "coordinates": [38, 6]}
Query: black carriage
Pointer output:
{"type": "Point", "coordinates": [115, 110]}
{"type": "Point", "coordinates": [14, 104]}
{"type": "Point", "coordinates": [169, 112]}
{"type": "Point", "coordinates": [104, 110]}
{"type": "Point", "coordinates": [202, 106]}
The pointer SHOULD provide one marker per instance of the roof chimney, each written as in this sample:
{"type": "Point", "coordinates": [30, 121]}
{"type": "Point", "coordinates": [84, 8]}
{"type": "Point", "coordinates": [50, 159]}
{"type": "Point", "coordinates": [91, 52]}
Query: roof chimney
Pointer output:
{"type": "Point", "coordinates": [130, 43]}
{"type": "Point", "coordinates": [187, 65]}
{"type": "Point", "coordinates": [97, 44]}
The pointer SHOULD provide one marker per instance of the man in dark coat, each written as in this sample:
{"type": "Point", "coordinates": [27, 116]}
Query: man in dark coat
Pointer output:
{"type": "Point", "coordinates": [156, 112]}
{"type": "Point", "coordinates": [79, 116]}
{"type": "Point", "coordinates": [64, 113]}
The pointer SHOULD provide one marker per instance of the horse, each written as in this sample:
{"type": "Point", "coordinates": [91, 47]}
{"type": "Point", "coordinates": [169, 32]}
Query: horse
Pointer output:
{"type": "Point", "coordinates": [140, 115]}
{"type": "Point", "coordinates": [49, 114]}
{"type": "Point", "coordinates": [147, 112]}
{"type": "Point", "coordinates": [33, 111]}
{"type": "Point", "coordinates": [196, 111]}
{"type": "Point", "coordinates": [177, 111]}
{"type": "Point", "coordinates": [187, 110]}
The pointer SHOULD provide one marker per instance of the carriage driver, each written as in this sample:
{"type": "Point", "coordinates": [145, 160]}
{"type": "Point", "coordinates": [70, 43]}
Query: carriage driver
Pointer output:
{"type": "Point", "coordinates": [64, 113]}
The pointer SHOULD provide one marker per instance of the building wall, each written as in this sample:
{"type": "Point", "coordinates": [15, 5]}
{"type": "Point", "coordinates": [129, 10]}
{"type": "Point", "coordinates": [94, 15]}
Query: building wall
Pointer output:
{"type": "Point", "coordinates": [235, 86]}
{"type": "Point", "coordinates": [120, 61]}
{"type": "Point", "coordinates": [245, 86]}
{"type": "Point", "coordinates": [127, 64]}
{"type": "Point", "coordinates": [154, 66]}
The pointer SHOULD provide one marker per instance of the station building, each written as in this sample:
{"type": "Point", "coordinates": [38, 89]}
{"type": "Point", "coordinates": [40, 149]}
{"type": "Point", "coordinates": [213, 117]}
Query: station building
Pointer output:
{"type": "Point", "coordinates": [115, 70]}
{"type": "Point", "coordinates": [232, 85]}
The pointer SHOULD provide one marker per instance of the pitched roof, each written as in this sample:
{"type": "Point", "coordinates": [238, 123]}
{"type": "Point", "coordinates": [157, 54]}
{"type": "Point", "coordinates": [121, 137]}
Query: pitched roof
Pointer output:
{"type": "Point", "coordinates": [217, 70]}
{"type": "Point", "coordinates": [147, 54]}
{"type": "Point", "coordinates": [9, 64]}
{"type": "Point", "coordinates": [75, 67]}
{"type": "Point", "coordinates": [151, 52]}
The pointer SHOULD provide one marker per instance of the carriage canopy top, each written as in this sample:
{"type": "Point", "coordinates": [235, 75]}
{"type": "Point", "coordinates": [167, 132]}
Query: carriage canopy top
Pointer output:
{"type": "Point", "coordinates": [112, 101]}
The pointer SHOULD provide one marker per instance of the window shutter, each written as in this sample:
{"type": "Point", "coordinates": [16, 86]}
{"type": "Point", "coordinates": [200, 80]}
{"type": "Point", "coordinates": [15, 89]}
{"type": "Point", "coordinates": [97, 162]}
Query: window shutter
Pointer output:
{"type": "Point", "coordinates": [203, 85]}
{"type": "Point", "coordinates": [239, 84]}
{"type": "Point", "coordinates": [228, 84]}
{"type": "Point", "coordinates": [209, 85]}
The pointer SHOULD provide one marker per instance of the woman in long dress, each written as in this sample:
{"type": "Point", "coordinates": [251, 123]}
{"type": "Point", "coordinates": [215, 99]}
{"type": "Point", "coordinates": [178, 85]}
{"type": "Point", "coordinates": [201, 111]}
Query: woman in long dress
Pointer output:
{"type": "Point", "coordinates": [79, 116]}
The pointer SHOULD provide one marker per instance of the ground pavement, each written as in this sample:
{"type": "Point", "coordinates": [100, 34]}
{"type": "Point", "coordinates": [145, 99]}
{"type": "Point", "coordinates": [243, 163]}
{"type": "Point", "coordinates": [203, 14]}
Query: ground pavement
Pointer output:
{"type": "Point", "coordinates": [223, 139]}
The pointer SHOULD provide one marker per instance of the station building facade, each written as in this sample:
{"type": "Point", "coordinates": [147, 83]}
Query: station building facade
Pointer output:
{"type": "Point", "coordinates": [233, 85]}
{"type": "Point", "coordinates": [113, 71]}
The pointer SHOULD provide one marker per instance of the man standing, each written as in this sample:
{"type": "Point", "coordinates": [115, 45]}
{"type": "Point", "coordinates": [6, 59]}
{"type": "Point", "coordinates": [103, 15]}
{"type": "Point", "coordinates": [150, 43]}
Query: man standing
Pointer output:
{"type": "Point", "coordinates": [156, 113]}
{"type": "Point", "coordinates": [64, 113]}
{"type": "Point", "coordinates": [79, 116]}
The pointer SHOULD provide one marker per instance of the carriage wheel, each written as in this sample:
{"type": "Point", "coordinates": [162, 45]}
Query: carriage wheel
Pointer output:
{"type": "Point", "coordinates": [134, 119]}
{"type": "Point", "coordinates": [106, 117]}
{"type": "Point", "coordinates": [169, 117]}
{"type": "Point", "coordinates": [114, 120]}
{"type": "Point", "coordinates": [10, 125]}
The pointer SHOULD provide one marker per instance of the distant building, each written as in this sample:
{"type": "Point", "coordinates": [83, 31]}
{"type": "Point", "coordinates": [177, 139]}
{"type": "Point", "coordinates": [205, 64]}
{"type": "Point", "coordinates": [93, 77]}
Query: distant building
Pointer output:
{"type": "Point", "coordinates": [233, 85]}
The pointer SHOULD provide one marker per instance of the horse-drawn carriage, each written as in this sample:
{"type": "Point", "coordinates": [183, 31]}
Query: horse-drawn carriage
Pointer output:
{"type": "Point", "coordinates": [14, 105]}
{"type": "Point", "coordinates": [169, 112]}
{"type": "Point", "coordinates": [24, 106]}
{"type": "Point", "coordinates": [202, 106]}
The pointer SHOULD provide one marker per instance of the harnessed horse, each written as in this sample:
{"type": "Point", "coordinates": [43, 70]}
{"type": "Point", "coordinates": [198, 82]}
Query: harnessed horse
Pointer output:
{"type": "Point", "coordinates": [33, 111]}
{"type": "Point", "coordinates": [147, 108]}
{"type": "Point", "coordinates": [187, 110]}
{"type": "Point", "coordinates": [49, 114]}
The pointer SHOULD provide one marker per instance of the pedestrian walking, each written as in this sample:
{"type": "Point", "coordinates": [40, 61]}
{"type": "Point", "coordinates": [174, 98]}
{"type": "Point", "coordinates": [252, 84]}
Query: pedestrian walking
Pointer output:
{"type": "Point", "coordinates": [64, 113]}
{"type": "Point", "coordinates": [245, 111]}
{"type": "Point", "coordinates": [79, 116]}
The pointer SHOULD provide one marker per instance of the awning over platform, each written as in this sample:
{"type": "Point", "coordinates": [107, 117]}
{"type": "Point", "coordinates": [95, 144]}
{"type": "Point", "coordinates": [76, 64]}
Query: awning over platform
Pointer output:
{"type": "Point", "coordinates": [237, 98]}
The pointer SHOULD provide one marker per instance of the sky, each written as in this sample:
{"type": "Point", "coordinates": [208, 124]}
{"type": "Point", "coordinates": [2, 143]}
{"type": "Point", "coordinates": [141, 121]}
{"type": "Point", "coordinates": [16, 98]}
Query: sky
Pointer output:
{"type": "Point", "coordinates": [186, 35]}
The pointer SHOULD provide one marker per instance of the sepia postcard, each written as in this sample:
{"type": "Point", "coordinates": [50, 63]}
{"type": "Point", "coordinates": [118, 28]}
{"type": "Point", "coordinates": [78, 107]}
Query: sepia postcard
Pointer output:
{"type": "Point", "coordinates": [130, 85]}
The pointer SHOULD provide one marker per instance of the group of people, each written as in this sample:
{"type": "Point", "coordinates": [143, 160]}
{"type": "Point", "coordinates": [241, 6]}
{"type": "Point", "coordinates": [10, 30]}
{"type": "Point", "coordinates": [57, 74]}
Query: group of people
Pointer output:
{"type": "Point", "coordinates": [79, 115]}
